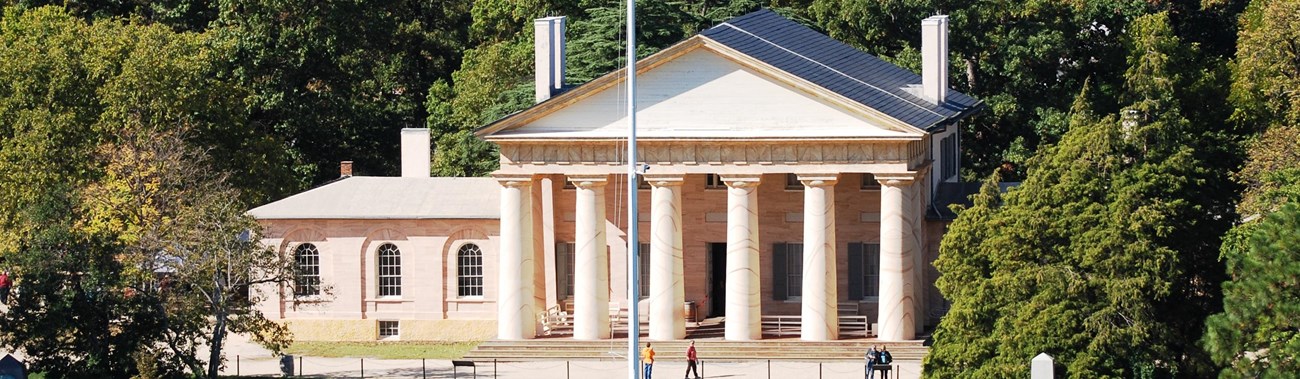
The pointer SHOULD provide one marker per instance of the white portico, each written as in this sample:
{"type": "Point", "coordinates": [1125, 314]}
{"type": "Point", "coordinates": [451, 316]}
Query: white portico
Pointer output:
{"type": "Point", "coordinates": [788, 174]}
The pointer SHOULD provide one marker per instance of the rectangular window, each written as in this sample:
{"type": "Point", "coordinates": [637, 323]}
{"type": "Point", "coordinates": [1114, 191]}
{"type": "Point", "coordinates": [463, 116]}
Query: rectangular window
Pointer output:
{"type": "Point", "coordinates": [787, 271]}
{"type": "Point", "coordinates": [714, 181]}
{"type": "Point", "coordinates": [389, 330]}
{"type": "Point", "coordinates": [869, 182]}
{"type": "Point", "coordinates": [948, 157]}
{"type": "Point", "coordinates": [792, 182]}
{"type": "Point", "coordinates": [864, 271]}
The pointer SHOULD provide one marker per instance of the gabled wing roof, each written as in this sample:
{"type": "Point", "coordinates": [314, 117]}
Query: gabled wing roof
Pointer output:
{"type": "Point", "coordinates": [839, 68]}
{"type": "Point", "coordinates": [373, 197]}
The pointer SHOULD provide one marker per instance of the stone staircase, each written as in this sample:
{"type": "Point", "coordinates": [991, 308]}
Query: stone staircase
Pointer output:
{"type": "Point", "coordinates": [711, 349]}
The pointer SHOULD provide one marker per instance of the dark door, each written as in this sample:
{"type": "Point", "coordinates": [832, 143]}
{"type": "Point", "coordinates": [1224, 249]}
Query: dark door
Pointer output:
{"type": "Point", "coordinates": [717, 279]}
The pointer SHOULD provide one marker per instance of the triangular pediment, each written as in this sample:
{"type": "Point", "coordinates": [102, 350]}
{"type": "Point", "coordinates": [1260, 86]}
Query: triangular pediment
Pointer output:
{"type": "Point", "coordinates": [701, 90]}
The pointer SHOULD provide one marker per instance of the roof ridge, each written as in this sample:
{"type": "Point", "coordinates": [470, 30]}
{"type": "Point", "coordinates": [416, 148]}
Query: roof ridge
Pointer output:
{"type": "Point", "coordinates": [832, 69]}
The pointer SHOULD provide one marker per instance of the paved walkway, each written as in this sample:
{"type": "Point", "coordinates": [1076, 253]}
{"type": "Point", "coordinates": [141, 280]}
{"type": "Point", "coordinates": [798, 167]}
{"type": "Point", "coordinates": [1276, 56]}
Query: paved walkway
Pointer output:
{"type": "Point", "coordinates": [256, 361]}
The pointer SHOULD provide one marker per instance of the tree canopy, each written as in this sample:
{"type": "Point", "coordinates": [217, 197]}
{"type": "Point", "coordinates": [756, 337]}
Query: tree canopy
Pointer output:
{"type": "Point", "coordinates": [113, 205]}
{"type": "Point", "coordinates": [1105, 257]}
{"type": "Point", "coordinates": [1254, 336]}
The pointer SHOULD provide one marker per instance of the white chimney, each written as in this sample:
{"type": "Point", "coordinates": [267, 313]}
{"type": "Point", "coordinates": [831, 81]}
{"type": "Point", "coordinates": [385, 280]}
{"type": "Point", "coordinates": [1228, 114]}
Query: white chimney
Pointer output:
{"type": "Point", "coordinates": [415, 152]}
{"type": "Point", "coordinates": [934, 59]}
{"type": "Point", "coordinates": [548, 60]}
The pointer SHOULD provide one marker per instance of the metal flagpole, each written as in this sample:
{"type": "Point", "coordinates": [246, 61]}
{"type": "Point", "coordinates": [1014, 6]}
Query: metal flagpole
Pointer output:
{"type": "Point", "coordinates": [634, 285]}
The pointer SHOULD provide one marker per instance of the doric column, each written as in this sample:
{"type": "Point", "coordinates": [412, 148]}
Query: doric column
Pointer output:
{"type": "Point", "coordinates": [897, 290]}
{"type": "Point", "coordinates": [820, 320]}
{"type": "Point", "coordinates": [515, 317]}
{"type": "Point", "coordinates": [744, 316]}
{"type": "Point", "coordinates": [667, 292]}
{"type": "Point", "coordinates": [591, 260]}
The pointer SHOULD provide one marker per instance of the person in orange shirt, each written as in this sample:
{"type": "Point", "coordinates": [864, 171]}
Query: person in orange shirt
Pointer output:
{"type": "Point", "coordinates": [691, 361]}
{"type": "Point", "coordinates": [648, 358]}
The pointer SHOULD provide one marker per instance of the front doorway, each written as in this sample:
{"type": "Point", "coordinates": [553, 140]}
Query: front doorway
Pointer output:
{"type": "Point", "coordinates": [717, 279]}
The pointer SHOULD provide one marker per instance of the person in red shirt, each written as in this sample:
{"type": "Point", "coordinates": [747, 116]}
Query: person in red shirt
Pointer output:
{"type": "Point", "coordinates": [691, 361]}
{"type": "Point", "coordinates": [5, 285]}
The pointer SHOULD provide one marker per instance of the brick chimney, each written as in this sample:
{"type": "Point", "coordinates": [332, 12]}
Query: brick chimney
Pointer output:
{"type": "Point", "coordinates": [345, 169]}
{"type": "Point", "coordinates": [934, 59]}
{"type": "Point", "coordinates": [548, 58]}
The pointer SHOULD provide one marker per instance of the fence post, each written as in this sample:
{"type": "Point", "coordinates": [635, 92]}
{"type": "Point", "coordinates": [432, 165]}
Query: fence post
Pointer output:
{"type": "Point", "coordinates": [363, 368]}
{"type": "Point", "coordinates": [769, 369]}
{"type": "Point", "coordinates": [566, 369]}
{"type": "Point", "coordinates": [300, 368]}
{"type": "Point", "coordinates": [423, 374]}
{"type": "Point", "coordinates": [237, 365]}
{"type": "Point", "coordinates": [1041, 367]}
{"type": "Point", "coordinates": [494, 368]}
{"type": "Point", "coordinates": [819, 370]}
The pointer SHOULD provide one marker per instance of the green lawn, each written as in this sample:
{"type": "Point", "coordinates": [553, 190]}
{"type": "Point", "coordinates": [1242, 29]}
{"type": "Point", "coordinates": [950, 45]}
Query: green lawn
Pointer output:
{"type": "Point", "coordinates": [386, 350]}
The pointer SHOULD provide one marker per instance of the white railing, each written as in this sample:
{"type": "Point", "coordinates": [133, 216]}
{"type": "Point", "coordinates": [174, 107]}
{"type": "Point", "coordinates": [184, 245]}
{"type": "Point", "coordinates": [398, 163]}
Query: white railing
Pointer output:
{"type": "Point", "coordinates": [791, 325]}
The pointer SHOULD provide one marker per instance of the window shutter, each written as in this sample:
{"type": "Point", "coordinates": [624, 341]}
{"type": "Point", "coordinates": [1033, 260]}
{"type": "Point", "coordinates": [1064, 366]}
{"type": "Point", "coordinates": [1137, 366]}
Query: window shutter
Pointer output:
{"type": "Point", "coordinates": [561, 270]}
{"type": "Point", "coordinates": [778, 271]}
{"type": "Point", "coordinates": [855, 271]}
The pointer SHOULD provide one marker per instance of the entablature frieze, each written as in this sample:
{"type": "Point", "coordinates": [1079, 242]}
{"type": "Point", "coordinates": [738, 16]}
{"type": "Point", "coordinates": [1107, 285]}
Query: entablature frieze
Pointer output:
{"type": "Point", "coordinates": [908, 153]}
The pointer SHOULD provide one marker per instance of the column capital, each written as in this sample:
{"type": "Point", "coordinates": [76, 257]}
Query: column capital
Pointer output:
{"type": "Point", "coordinates": [664, 180]}
{"type": "Point", "coordinates": [514, 180]}
{"type": "Point", "coordinates": [741, 180]}
{"type": "Point", "coordinates": [588, 181]}
{"type": "Point", "coordinates": [897, 179]}
{"type": "Point", "coordinates": [818, 180]}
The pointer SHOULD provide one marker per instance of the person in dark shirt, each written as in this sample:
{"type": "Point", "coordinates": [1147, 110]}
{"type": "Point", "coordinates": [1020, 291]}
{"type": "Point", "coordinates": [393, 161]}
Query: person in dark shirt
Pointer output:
{"type": "Point", "coordinates": [872, 355]}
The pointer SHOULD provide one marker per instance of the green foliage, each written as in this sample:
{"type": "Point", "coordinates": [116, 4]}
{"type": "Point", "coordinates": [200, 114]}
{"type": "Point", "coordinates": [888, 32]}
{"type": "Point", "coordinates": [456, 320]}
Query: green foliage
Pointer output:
{"type": "Point", "coordinates": [101, 184]}
{"type": "Point", "coordinates": [1267, 69]}
{"type": "Point", "coordinates": [1026, 60]}
{"type": "Point", "coordinates": [1104, 257]}
{"type": "Point", "coordinates": [1255, 336]}
{"type": "Point", "coordinates": [337, 80]}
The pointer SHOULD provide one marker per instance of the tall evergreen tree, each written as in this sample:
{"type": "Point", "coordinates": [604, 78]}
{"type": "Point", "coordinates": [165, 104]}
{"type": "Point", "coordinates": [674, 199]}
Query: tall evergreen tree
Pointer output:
{"type": "Point", "coordinates": [1255, 336]}
{"type": "Point", "coordinates": [1103, 257]}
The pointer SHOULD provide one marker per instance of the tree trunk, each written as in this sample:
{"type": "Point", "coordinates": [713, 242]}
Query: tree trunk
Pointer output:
{"type": "Point", "coordinates": [218, 334]}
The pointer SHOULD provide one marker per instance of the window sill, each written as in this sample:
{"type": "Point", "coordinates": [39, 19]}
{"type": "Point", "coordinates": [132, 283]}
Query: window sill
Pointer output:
{"type": "Point", "coordinates": [306, 300]}
{"type": "Point", "coordinates": [389, 300]}
{"type": "Point", "coordinates": [468, 299]}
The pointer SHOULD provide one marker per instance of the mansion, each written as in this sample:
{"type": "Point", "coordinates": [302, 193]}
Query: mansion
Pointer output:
{"type": "Point", "coordinates": [784, 174]}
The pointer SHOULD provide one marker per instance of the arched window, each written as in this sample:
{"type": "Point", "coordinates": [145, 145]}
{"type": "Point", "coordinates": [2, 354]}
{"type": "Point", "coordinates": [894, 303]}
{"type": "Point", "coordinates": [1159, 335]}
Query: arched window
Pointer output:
{"type": "Point", "coordinates": [470, 265]}
{"type": "Point", "coordinates": [306, 260]}
{"type": "Point", "coordinates": [390, 270]}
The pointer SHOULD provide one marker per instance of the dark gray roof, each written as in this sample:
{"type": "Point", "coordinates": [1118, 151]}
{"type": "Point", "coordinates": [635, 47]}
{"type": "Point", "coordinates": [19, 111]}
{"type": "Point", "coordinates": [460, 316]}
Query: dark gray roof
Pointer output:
{"type": "Point", "coordinates": [840, 68]}
{"type": "Point", "coordinates": [950, 193]}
